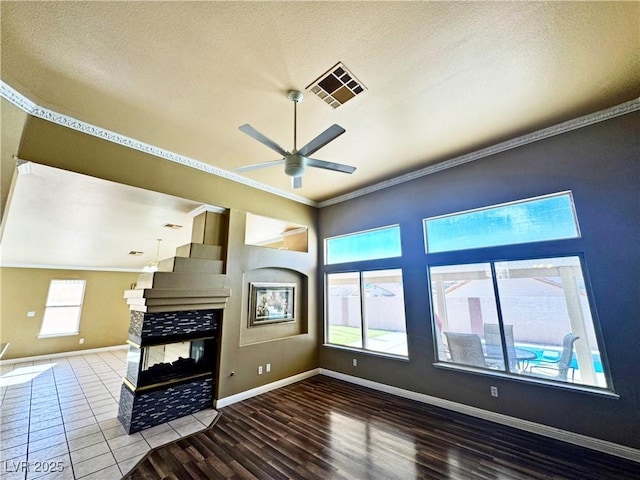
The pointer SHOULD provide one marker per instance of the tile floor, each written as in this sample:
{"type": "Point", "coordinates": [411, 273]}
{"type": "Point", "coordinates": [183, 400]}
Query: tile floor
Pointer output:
{"type": "Point", "coordinates": [58, 420]}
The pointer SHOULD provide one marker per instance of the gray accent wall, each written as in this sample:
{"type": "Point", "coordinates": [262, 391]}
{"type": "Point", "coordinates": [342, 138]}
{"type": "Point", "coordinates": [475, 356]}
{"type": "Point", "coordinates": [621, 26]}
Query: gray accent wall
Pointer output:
{"type": "Point", "coordinates": [600, 164]}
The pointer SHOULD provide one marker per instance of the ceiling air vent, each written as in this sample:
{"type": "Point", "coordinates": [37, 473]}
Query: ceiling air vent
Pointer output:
{"type": "Point", "coordinates": [172, 226]}
{"type": "Point", "coordinates": [336, 86]}
{"type": "Point", "coordinates": [135, 253]}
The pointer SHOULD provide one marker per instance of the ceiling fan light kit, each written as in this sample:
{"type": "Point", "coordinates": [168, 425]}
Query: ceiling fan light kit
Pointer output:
{"type": "Point", "coordinates": [295, 165]}
{"type": "Point", "coordinates": [296, 161]}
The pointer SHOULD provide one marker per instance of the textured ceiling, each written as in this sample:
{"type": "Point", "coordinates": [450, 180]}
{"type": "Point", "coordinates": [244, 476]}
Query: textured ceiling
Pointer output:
{"type": "Point", "coordinates": [442, 78]}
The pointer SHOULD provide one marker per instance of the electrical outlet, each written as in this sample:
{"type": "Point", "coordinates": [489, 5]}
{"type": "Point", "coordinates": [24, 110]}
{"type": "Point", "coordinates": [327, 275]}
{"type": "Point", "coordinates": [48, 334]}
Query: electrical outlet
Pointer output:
{"type": "Point", "coordinates": [494, 391]}
{"type": "Point", "coordinates": [355, 362]}
{"type": "Point", "coordinates": [31, 313]}
{"type": "Point", "coordinates": [259, 369]}
{"type": "Point", "coordinates": [268, 367]}
{"type": "Point", "coordinates": [81, 341]}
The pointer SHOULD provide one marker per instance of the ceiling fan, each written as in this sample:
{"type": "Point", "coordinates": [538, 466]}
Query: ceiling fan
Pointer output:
{"type": "Point", "coordinates": [296, 161]}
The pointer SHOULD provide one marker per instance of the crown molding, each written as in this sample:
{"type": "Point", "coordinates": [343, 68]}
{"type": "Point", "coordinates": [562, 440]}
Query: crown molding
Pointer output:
{"type": "Point", "coordinates": [207, 208]}
{"type": "Point", "coordinates": [580, 122]}
{"type": "Point", "coordinates": [19, 100]}
{"type": "Point", "coordinates": [22, 102]}
{"type": "Point", "coordinates": [35, 110]}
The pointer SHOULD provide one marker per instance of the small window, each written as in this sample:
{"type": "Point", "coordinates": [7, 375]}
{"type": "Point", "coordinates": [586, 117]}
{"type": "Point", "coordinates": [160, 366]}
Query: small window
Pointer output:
{"type": "Point", "coordinates": [529, 318]}
{"type": "Point", "coordinates": [62, 310]}
{"type": "Point", "coordinates": [365, 310]}
{"type": "Point", "coordinates": [369, 245]}
{"type": "Point", "coordinates": [550, 217]}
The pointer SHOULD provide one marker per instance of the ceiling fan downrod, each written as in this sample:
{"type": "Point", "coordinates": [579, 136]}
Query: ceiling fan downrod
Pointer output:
{"type": "Point", "coordinates": [295, 163]}
{"type": "Point", "coordinates": [296, 97]}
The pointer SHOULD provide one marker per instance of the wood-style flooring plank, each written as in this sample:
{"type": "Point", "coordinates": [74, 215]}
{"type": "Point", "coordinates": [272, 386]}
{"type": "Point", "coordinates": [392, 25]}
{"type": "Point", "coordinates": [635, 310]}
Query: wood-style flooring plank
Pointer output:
{"type": "Point", "coordinates": [325, 429]}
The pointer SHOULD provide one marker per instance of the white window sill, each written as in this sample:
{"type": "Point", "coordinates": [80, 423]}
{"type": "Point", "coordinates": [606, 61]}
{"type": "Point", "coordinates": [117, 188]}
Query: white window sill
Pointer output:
{"type": "Point", "coordinates": [54, 335]}
{"type": "Point", "coordinates": [391, 356]}
{"type": "Point", "coordinates": [529, 380]}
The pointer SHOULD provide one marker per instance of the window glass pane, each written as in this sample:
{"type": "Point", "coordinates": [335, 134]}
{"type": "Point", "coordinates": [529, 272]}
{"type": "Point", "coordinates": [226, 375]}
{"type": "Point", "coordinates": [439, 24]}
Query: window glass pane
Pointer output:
{"type": "Point", "coordinates": [369, 245]}
{"type": "Point", "coordinates": [384, 318]}
{"type": "Point", "coordinates": [62, 312]}
{"type": "Point", "coordinates": [344, 309]}
{"type": "Point", "coordinates": [464, 302]}
{"type": "Point", "coordinates": [65, 293]}
{"type": "Point", "coordinates": [550, 217]}
{"type": "Point", "coordinates": [60, 321]}
{"type": "Point", "coordinates": [545, 302]}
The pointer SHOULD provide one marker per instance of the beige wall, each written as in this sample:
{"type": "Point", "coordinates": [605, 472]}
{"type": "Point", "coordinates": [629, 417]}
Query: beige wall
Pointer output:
{"type": "Point", "coordinates": [289, 348]}
{"type": "Point", "coordinates": [60, 147]}
{"type": "Point", "coordinates": [104, 320]}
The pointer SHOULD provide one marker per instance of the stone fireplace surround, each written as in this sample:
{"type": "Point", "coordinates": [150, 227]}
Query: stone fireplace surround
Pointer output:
{"type": "Point", "coordinates": [147, 404]}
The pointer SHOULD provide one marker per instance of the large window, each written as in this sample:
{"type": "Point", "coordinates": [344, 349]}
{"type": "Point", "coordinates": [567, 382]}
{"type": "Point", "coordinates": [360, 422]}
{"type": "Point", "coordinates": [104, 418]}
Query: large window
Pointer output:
{"type": "Point", "coordinates": [365, 305]}
{"type": "Point", "coordinates": [550, 217]}
{"type": "Point", "coordinates": [526, 317]}
{"type": "Point", "coordinates": [62, 310]}
{"type": "Point", "coordinates": [366, 310]}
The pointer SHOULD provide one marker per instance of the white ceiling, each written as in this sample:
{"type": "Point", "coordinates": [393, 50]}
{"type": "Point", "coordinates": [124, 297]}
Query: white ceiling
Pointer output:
{"type": "Point", "coordinates": [59, 219]}
{"type": "Point", "coordinates": [442, 78]}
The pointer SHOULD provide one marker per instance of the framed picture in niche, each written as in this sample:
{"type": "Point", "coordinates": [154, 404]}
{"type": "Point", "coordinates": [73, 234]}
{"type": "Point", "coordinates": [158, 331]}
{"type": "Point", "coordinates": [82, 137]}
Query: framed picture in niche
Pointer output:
{"type": "Point", "coordinates": [271, 303]}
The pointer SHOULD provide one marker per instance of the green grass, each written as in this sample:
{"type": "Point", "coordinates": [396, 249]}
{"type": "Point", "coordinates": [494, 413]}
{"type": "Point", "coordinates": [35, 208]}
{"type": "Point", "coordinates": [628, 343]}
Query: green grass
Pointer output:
{"type": "Point", "coordinates": [341, 335]}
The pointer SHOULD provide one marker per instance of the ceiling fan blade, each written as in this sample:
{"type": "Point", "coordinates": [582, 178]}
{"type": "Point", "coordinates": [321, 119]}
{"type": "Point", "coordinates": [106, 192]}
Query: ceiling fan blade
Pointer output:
{"type": "Point", "coordinates": [256, 166]}
{"type": "Point", "coordinates": [338, 167]}
{"type": "Point", "coordinates": [330, 134]}
{"type": "Point", "coordinates": [296, 182]}
{"type": "Point", "coordinates": [253, 133]}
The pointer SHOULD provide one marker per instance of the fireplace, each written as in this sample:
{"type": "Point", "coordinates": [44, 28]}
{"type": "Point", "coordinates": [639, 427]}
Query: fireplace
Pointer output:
{"type": "Point", "coordinates": [175, 322]}
{"type": "Point", "coordinates": [170, 366]}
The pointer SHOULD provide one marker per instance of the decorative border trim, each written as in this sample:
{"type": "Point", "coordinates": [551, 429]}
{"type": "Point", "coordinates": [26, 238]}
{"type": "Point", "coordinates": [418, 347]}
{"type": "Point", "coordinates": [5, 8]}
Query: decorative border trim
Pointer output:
{"type": "Point", "coordinates": [238, 397]}
{"type": "Point", "coordinates": [544, 430]}
{"type": "Point", "coordinates": [580, 122]}
{"type": "Point", "coordinates": [73, 353]}
{"type": "Point", "coordinates": [35, 110]}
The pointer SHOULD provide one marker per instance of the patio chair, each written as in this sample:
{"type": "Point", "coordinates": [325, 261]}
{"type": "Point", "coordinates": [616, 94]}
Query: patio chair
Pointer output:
{"type": "Point", "coordinates": [492, 339]}
{"type": "Point", "coordinates": [466, 349]}
{"type": "Point", "coordinates": [557, 369]}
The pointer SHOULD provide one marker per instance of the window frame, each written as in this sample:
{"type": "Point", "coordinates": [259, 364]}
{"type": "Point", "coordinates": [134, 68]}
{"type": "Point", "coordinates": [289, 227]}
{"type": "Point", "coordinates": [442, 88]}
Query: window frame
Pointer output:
{"type": "Point", "coordinates": [360, 232]}
{"type": "Point", "coordinates": [68, 333]}
{"type": "Point", "coordinates": [569, 193]}
{"type": "Point", "coordinates": [360, 267]}
{"type": "Point", "coordinates": [363, 321]}
{"type": "Point", "coordinates": [514, 252]}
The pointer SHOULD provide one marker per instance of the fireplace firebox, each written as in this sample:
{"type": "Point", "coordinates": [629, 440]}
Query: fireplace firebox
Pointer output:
{"type": "Point", "coordinates": [157, 364]}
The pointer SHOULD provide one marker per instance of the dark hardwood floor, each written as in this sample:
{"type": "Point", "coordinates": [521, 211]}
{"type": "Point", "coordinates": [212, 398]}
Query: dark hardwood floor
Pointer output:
{"type": "Point", "coordinates": [322, 428]}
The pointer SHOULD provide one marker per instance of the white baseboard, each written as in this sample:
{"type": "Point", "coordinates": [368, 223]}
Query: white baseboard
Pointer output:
{"type": "Point", "coordinates": [238, 397]}
{"type": "Point", "coordinates": [551, 432]}
{"type": "Point", "coordinates": [63, 354]}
